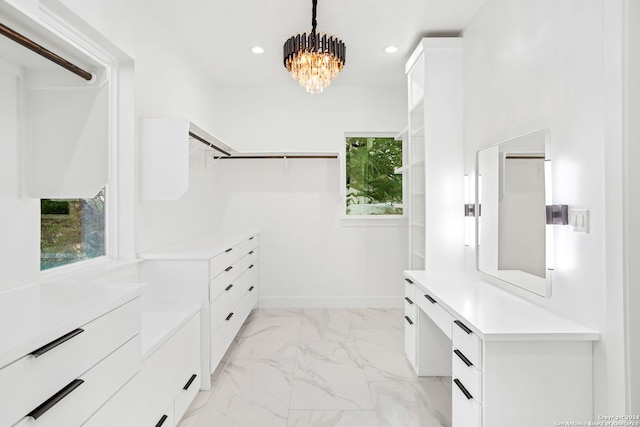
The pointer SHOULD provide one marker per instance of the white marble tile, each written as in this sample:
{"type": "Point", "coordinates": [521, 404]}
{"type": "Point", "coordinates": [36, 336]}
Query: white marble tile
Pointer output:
{"type": "Point", "coordinates": [325, 325]}
{"type": "Point", "coordinates": [329, 376]}
{"type": "Point", "coordinates": [300, 418]}
{"type": "Point", "coordinates": [376, 318]}
{"type": "Point", "coordinates": [276, 312]}
{"type": "Point", "coordinates": [268, 337]}
{"type": "Point", "coordinates": [250, 392]}
{"type": "Point", "coordinates": [424, 403]}
{"type": "Point", "coordinates": [383, 356]}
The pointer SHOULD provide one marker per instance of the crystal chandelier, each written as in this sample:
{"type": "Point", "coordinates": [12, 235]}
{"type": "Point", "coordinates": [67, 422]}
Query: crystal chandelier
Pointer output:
{"type": "Point", "coordinates": [315, 59]}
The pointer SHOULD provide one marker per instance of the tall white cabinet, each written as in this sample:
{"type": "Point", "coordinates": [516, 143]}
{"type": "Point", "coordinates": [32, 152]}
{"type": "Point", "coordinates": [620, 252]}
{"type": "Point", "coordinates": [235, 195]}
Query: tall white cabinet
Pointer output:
{"type": "Point", "coordinates": [435, 161]}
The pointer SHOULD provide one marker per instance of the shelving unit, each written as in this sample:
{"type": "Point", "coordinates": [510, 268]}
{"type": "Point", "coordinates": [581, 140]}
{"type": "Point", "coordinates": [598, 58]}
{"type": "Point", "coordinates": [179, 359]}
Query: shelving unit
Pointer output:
{"type": "Point", "coordinates": [435, 158]}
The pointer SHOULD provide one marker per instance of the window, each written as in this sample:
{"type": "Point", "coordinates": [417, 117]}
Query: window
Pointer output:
{"type": "Point", "coordinates": [372, 185]}
{"type": "Point", "coordinates": [71, 230]}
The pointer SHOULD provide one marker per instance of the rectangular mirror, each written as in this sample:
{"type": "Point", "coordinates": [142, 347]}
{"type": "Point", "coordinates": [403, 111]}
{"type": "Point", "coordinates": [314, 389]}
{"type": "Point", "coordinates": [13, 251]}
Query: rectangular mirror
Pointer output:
{"type": "Point", "coordinates": [512, 184]}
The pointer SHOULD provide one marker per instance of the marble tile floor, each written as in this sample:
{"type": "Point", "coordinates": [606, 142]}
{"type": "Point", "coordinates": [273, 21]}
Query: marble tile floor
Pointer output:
{"type": "Point", "coordinates": [321, 368]}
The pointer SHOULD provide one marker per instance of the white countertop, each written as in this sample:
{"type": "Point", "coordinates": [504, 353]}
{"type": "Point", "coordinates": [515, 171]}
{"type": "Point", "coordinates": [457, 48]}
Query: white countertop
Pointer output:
{"type": "Point", "coordinates": [201, 247]}
{"type": "Point", "coordinates": [34, 315]}
{"type": "Point", "coordinates": [495, 314]}
{"type": "Point", "coordinates": [161, 323]}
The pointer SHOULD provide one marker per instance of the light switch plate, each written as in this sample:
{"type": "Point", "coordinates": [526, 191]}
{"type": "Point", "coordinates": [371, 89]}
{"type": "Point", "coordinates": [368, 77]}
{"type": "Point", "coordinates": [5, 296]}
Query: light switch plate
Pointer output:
{"type": "Point", "coordinates": [579, 220]}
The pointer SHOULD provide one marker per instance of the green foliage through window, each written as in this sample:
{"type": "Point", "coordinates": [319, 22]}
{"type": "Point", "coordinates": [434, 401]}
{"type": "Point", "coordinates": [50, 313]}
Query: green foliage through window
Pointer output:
{"type": "Point", "coordinates": [71, 230]}
{"type": "Point", "coordinates": [373, 188]}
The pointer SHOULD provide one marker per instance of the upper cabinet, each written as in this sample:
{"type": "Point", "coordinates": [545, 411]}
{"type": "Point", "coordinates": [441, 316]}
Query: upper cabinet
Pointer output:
{"type": "Point", "coordinates": [164, 156]}
{"type": "Point", "coordinates": [435, 164]}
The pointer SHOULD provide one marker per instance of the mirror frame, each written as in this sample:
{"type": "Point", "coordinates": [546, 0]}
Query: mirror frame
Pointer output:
{"type": "Point", "coordinates": [526, 281]}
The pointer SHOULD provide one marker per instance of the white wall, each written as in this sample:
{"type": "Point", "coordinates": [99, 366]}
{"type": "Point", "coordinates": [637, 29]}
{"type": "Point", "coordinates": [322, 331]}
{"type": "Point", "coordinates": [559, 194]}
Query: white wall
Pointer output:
{"type": "Point", "coordinates": [309, 254]}
{"type": "Point", "coordinates": [534, 64]}
{"type": "Point", "coordinates": [633, 206]}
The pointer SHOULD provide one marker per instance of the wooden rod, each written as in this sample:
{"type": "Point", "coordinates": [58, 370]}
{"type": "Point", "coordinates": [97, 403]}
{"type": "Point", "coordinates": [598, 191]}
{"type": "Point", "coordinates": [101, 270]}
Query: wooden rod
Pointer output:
{"type": "Point", "coordinates": [278, 157]}
{"type": "Point", "coordinates": [42, 51]}
{"type": "Point", "coordinates": [205, 142]}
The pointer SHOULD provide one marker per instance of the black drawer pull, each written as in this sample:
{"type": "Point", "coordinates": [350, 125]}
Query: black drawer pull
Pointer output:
{"type": "Point", "coordinates": [188, 384]}
{"type": "Point", "coordinates": [228, 250]}
{"type": "Point", "coordinates": [430, 299]}
{"type": "Point", "coordinates": [250, 289]}
{"type": "Point", "coordinates": [53, 344]}
{"type": "Point", "coordinates": [408, 320]}
{"type": "Point", "coordinates": [463, 389]}
{"type": "Point", "coordinates": [408, 281]}
{"type": "Point", "coordinates": [229, 316]}
{"type": "Point", "coordinates": [228, 269]}
{"type": "Point", "coordinates": [251, 238]}
{"type": "Point", "coordinates": [408, 300]}
{"type": "Point", "coordinates": [251, 253]}
{"type": "Point", "coordinates": [251, 266]}
{"type": "Point", "coordinates": [228, 287]}
{"type": "Point", "coordinates": [53, 400]}
{"type": "Point", "coordinates": [162, 420]}
{"type": "Point", "coordinates": [463, 326]}
{"type": "Point", "coordinates": [463, 357]}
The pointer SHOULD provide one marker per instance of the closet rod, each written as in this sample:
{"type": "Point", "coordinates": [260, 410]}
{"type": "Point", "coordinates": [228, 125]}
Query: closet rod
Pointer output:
{"type": "Point", "coordinates": [205, 142]}
{"type": "Point", "coordinates": [279, 157]}
{"type": "Point", "coordinates": [30, 44]}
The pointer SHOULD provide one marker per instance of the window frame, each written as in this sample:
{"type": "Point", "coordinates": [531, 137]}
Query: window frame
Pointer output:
{"type": "Point", "coordinates": [370, 220]}
{"type": "Point", "coordinates": [120, 188]}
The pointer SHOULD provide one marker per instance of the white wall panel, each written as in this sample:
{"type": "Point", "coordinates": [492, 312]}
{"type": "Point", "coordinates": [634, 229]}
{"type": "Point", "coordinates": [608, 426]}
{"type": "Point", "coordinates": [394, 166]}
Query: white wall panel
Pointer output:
{"type": "Point", "coordinates": [537, 64]}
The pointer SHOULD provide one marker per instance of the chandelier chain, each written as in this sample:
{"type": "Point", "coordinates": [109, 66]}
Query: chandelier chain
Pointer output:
{"type": "Point", "coordinates": [314, 21]}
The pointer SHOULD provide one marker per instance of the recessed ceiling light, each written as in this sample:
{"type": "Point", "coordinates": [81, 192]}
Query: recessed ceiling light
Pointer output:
{"type": "Point", "coordinates": [391, 49]}
{"type": "Point", "coordinates": [257, 50]}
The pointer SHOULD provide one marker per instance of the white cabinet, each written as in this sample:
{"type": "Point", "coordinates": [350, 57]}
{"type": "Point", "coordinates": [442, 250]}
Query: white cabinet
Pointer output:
{"type": "Point", "coordinates": [218, 271]}
{"type": "Point", "coordinates": [435, 162]}
{"type": "Point", "coordinates": [165, 145]}
{"type": "Point", "coordinates": [84, 345]}
{"type": "Point", "coordinates": [169, 378]}
{"type": "Point", "coordinates": [511, 361]}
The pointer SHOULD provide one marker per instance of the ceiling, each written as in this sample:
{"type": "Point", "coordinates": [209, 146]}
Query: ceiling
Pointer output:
{"type": "Point", "coordinates": [221, 34]}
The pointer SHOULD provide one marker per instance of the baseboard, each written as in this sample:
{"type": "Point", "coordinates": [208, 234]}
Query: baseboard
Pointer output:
{"type": "Point", "coordinates": [331, 302]}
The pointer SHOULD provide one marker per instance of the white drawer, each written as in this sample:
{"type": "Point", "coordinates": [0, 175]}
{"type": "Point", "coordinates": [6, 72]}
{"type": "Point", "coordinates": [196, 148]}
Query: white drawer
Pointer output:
{"type": "Point", "coordinates": [125, 401]}
{"type": "Point", "coordinates": [467, 373]}
{"type": "Point", "coordinates": [468, 343]}
{"type": "Point", "coordinates": [409, 289]}
{"type": "Point", "coordinates": [439, 315]}
{"type": "Point", "coordinates": [410, 309]}
{"type": "Point", "coordinates": [466, 411]}
{"type": "Point", "coordinates": [410, 342]}
{"type": "Point", "coordinates": [94, 388]}
{"type": "Point", "coordinates": [167, 419]}
{"type": "Point", "coordinates": [254, 254]}
{"type": "Point", "coordinates": [31, 380]}
{"type": "Point", "coordinates": [223, 337]}
{"type": "Point", "coordinates": [227, 277]}
{"type": "Point", "coordinates": [227, 300]}
{"type": "Point", "coordinates": [231, 255]}
{"type": "Point", "coordinates": [186, 395]}
{"type": "Point", "coordinates": [165, 372]}
{"type": "Point", "coordinates": [221, 261]}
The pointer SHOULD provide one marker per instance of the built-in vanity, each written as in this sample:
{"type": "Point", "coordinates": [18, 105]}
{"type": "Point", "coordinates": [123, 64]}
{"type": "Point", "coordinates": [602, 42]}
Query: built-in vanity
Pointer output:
{"type": "Point", "coordinates": [512, 362]}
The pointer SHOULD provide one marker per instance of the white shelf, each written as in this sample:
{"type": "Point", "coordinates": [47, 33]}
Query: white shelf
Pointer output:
{"type": "Point", "coordinates": [283, 155]}
{"type": "Point", "coordinates": [401, 170]}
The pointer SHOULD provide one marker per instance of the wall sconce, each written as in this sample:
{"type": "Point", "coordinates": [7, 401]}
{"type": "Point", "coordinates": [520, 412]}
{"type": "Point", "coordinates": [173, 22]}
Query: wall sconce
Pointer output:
{"type": "Point", "coordinates": [557, 214]}
{"type": "Point", "coordinates": [469, 212]}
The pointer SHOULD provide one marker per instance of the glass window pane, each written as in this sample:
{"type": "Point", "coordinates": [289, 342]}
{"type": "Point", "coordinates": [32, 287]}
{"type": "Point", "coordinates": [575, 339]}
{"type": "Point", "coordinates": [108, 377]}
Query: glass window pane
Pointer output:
{"type": "Point", "coordinates": [373, 187]}
{"type": "Point", "coordinates": [71, 230]}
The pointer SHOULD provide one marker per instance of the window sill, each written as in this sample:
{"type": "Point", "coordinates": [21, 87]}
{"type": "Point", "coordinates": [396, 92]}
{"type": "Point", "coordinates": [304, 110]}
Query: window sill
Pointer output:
{"type": "Point", "coordinates": [84, 270]}
{"type": "Point", "coordinates": [375, 221]}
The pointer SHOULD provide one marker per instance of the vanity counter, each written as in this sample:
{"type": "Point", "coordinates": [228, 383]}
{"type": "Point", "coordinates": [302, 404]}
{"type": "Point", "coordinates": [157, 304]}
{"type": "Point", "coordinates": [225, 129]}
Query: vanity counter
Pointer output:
{"type": "Point", "coordinates": [494, 314]}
